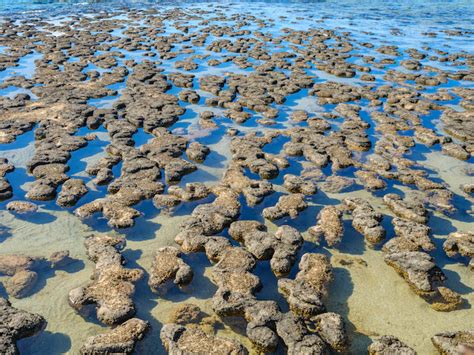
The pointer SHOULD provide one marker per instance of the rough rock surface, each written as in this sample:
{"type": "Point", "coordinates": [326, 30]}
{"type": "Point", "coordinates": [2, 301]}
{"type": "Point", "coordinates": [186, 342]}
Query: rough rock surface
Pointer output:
{"type": "Point", "coordinates": [329, 225]}
{"type": "Point", "coordinates": [387, 344]}
{"type": "Point", "coordinates": [457, 342]}
{"type": "Point", "coordinates": [120, 340]}
{"type": "Point", "coordinates": [280, 248]}
{"type": "Point", "coordinates": [425, 278]}
{"type": "Point", "coordinates": [111, 288]}
{"type": "Point", "coordinates": [179, 339]}
{"type": "Point", "coordinates": [168, 267]}
{"type": "Point", "coordinates": [16, 324]}
{"type": "Point", "coordinates": [304, 294]}
{"type": "Point", "coordinates": [288, 205]}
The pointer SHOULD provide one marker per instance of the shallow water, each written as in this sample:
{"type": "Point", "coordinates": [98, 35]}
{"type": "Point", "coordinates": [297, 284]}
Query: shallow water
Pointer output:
{"type": "Point", "coordinates": [370, 295]}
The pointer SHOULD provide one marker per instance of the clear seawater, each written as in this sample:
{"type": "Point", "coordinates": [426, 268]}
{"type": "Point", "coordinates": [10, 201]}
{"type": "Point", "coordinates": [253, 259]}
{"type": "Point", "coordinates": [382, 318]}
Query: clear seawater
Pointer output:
{"type": "Point", "coordinates": [373, 299]}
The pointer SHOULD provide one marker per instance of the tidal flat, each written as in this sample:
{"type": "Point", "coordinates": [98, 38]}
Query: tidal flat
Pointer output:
{"type": "Point", "coordinates": [236, 178]}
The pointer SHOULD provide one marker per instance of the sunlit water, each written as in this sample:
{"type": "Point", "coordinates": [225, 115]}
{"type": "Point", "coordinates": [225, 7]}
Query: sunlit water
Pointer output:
{"type": "Point", "coordinates": [373, 299]}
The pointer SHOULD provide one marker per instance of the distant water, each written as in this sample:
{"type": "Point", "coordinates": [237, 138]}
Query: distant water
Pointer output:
{"type": "Point", "coordinates": [455, 12]}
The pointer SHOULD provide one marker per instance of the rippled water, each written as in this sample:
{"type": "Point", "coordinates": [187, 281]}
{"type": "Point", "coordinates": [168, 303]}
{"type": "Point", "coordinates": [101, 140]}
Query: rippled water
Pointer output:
{"type": "Point", "coordinates": [373, 299]}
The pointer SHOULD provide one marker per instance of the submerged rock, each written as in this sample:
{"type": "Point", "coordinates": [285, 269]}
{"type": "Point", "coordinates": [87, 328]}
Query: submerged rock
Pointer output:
{"type": "Point", "coordinates": [186, 313]}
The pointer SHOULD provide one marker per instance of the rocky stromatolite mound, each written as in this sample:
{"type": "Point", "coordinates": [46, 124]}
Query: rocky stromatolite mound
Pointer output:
{"type": "Point", "coordinates": [404, 208]}
{"type": "Point", "coordinates": [410, 236]}
{"type": "Point", "coordinates": [287, 205]}
{"type": "Point", "coordinates": [365, 220]}
{"type": "Point", "coordinates": [111, 288]}
{"type": "Point", "coordinates": [425, 278]}
{"type": "Point", "coordinates": [387, 344]}
{"type": "Point", "coordinates": [16, 324]}
{"type": "Point", "coordinates": [280, 248]}
{"type": "Point", "coordinates": [22, 207]}
{"type": "Point", "coordinates": [329, 225]}
{"type": "Point", "coordinates": [71, 191]}
{"type": "Point", "coordinates": [168, 267]}
{"type": "Point", "coordinates": [305, 293]}
{"type": "Point", "coordinates": [460, 243]}
{"type": "Point", "coordinates": [120, 340]}
{"type": "Point", "coordinates": [330, 327]}
{"type": "Point", "coordinates": [454, 343]}
{"type": "Point", "coordinates": [179, 339]}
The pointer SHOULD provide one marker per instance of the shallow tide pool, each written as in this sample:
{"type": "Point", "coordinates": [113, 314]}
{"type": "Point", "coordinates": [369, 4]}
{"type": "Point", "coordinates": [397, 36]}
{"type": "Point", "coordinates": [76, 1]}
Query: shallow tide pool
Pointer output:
{"type": "Point", "coordinates": [84, 81]}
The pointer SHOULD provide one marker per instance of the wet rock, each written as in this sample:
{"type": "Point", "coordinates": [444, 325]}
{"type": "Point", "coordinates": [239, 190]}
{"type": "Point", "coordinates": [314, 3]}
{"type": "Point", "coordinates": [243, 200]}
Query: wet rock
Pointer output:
{"type": "Point", "coordinates": [248, 152]}
{"type": "Point", "coordinates": [330, 327]}
{"type": "Point", "coordinates": [329, 225]}
{"type": "Point", "coordinates": [42, 190]}
{"type": "Point", "coordinates": [287, 205]}
{"type": "Point", "coordinates": [297, 184]}
{"type": "Point", "coordinates": [388, 344]}
{"type": "Point", "coordinates": [457, 342]}
{"type": "Point", "coordinates": [209, 219]}
{"type": "Point", "coordinates": [177, 168]}
{"type": "Point", "coordinates": [5, 167]}
{"type": "Point", "coordinates": [179, 339]}
{"type": "Point", "coordinates": [16, 324]}
{"type": "Point", "coordinates": [254, 191]}
{"type": "Point", "coordinates": [456, 151]}
{"type": "Point", "coordinates": [365, 220]}
{"type": "Point", "coordinates": [411, 236]}
{"type": "Point", "coordinates": [370, 180]}
{"type": "Point", "coordinates": [22, 207]}
{"type": "Point", "coordinates": [118, 215]}
{"type": "Point", "coordinates": [111, 288]}
{"type": "Point", "coordinates": [120, 340]}
{"type": "Point", "coordinates": [168, 267]}
{"type": "Point", "coordinates": [236, 285]}
{"type": "Point", "coordinates": [460, 243]}
{"type": "Point", "coordinates": [406, 209]}
{"type": "Point", "coordinates": [304, 294]}
{"type": "Point", "coordinates": [298, 339]}
{"type": "Point", "coordinates": [191, 192]}
{"type": "Point", "coordinates": [425, 278]}
{"type": "Point", "coordinates": [71, 191]}
{"type": "Point", "coordinates": [281, 248]}
{"type": "Point", "coordinates": [197, 152]}
{"type": "Point", "coordinates": [6, 190]}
